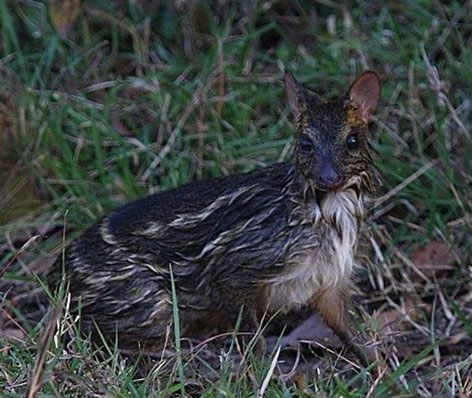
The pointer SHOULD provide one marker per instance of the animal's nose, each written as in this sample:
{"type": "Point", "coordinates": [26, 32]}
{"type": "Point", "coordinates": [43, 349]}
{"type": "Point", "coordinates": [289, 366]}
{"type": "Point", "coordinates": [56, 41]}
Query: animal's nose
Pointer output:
{"type": "Point", "coordinates": [329, 177]}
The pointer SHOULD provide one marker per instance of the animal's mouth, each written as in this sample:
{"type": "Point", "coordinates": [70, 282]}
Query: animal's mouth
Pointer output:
{"type": "Point", "coordinates": [321, 193]}
{"type": "Point", "coordinates": [352, 184]}
{"type": "Point", "coordinates": [323, 190]}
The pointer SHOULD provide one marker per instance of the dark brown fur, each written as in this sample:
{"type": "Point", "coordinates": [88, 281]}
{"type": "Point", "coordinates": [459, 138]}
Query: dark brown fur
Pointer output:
{"type": "Point", "coordinates": [277, 238]}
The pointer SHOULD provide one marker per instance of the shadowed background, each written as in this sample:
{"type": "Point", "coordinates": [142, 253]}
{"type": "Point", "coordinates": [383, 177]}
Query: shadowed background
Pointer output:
{"type": "Point", "coordinates": [103, 102]}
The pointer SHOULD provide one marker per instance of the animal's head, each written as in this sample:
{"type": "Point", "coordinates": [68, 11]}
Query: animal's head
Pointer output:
{"type": "Point", "coordinates": [332, 150]}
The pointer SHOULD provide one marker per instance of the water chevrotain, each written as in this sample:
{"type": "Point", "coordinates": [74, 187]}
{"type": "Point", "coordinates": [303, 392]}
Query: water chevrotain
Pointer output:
{"type": "Point", "coordinates": [274, 239]}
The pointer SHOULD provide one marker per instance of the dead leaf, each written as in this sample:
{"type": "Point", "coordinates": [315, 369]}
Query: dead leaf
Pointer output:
{"type": "Point", "coordinates": [63, 14]}
{"type": "Point", "coordinates": [399, 319]}
{"type": "Point", "coordinates": [434, 257]}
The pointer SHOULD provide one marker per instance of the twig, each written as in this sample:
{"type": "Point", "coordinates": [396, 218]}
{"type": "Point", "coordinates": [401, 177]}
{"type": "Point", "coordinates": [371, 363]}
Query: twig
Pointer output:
{"type": "Point", "coordinates": [44, 342]}
{"type": "Point", "coordinates": [269, 374]}
{"type": "Point", "coordinates": [406, 182]}
{"type": "Point", "coordinates": [17, 254]}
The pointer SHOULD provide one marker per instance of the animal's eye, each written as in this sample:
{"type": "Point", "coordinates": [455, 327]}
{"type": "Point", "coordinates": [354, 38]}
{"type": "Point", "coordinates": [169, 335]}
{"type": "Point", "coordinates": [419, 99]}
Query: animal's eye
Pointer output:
{"type": "Point", "coordinates": [352, 141]}
{"type": "Point", "coordinates": [306, 144]}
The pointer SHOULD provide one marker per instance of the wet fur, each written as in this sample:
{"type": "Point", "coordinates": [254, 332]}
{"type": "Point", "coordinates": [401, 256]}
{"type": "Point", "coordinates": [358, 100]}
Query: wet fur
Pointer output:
{"type": "Point", "coordinates": [268, 240]}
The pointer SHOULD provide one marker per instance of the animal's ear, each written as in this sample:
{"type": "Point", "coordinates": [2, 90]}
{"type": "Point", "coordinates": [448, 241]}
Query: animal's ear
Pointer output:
{"type": "Point", "coordinates": [293, 91]}
{"type": "Point", "coordinates": [299, 97]}
{"type": "Point", "coordinates": [365, 94]}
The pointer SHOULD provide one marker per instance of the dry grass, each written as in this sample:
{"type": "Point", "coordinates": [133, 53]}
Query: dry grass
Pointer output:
{"type": "Point", "coordinates": [128, 98]}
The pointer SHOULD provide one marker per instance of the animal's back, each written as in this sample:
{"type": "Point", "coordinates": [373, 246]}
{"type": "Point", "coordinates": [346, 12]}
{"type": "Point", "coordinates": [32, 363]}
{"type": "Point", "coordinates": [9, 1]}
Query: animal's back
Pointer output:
{"type": "Point", "coordinates": [221, 239]}
{"type": "Point", "coordinates": [282, 236]}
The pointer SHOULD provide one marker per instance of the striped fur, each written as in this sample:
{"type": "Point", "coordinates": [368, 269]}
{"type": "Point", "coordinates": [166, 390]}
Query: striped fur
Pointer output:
{"type": "Point", "coordinates": [270, 239]}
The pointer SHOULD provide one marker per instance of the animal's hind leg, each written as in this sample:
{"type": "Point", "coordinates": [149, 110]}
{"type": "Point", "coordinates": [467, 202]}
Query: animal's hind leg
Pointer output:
{"type": "Point", "coordinates": [312, 329]}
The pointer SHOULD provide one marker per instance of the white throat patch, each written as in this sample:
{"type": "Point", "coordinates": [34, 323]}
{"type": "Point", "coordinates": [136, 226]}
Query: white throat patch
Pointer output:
{"type": "Point", "coordinates": [326, 259]}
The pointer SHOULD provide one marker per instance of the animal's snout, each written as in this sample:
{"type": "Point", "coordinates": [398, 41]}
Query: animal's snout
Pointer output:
{"type": "Point", "coordinates": [329, 177]}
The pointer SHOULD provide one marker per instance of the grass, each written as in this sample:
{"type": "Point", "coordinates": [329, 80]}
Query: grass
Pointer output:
{"type": "Point", "coordinates": [131, 98]}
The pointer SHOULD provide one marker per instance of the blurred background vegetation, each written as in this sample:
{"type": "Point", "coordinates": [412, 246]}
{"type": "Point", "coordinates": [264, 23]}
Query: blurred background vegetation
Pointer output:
{"type": "Point", "coordinates": [103, 102]}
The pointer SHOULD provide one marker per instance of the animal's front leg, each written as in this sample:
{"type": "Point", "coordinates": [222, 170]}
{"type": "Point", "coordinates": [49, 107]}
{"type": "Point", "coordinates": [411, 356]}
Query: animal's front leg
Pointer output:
{"type": "Point", "coordinates": [331, 306]}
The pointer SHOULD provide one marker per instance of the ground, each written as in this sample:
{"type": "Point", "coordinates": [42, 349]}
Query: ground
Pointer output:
{"type": "Point", "coordinates": [104, 102]}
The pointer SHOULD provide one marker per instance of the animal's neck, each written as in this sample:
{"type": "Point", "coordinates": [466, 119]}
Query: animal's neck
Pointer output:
{"type": "Point", "coordinates": [321, 254]}
{"type": "Point", "coordinates": [340, 212]}
{"type": "Point", "coordinates": [337, 207]}
{"type": "Point", "coordinates": [344, 212]}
